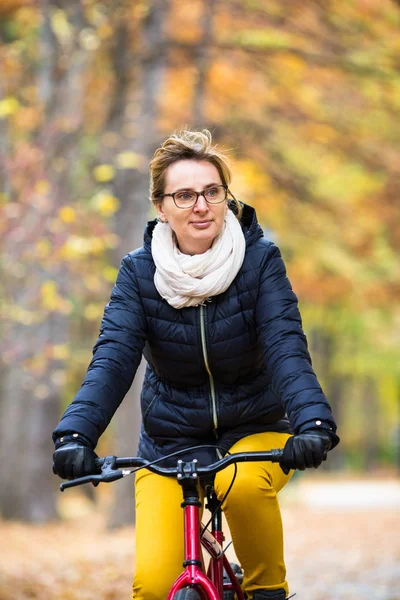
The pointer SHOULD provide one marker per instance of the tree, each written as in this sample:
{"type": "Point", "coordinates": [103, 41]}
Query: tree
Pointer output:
{"type": "Point", "coordinates": [35, 284]}
{"type": "Point", "coordinates": [131, 185]}
{"type": "Point", "coordinates": [306, 98]}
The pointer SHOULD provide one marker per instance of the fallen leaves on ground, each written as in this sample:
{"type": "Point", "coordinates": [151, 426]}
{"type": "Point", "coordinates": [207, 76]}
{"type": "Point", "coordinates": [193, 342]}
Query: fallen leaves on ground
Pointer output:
{"type": "Point", "coordinates": [332, 553]}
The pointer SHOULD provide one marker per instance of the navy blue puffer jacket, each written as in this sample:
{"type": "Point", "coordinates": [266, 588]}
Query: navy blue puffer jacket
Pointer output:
{"type": "Point", "coordinates": [217, 372]}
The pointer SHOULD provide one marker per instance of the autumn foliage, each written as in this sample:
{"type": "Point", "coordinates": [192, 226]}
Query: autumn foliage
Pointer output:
{"type": "Point", "coordinates": [306, 98]}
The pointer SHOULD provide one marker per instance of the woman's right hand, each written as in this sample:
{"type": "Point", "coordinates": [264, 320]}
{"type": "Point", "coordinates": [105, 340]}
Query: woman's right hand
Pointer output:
{"type": "Point", "coordinates": [74, 460]}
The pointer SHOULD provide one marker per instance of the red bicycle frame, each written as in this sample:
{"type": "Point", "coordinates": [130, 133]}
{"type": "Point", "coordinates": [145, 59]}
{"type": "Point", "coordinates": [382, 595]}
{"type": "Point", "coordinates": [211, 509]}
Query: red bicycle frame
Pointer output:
{"type": "Point", "coordinates": [211, 585]}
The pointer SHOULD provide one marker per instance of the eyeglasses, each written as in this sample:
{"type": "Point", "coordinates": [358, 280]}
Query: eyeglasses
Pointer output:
{"type": "Point", "coordinates": [188, 198]}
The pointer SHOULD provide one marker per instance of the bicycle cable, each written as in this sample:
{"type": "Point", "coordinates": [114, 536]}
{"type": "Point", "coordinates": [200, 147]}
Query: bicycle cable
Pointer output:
{"type": "Point", "coordinates": [226, 547]}
{"type": "Point", "coordinates": [176, 453]}
{"type": "Point", "coordinates": [220, 502]}
{"type": "Point", "coordinates": [183, 451]}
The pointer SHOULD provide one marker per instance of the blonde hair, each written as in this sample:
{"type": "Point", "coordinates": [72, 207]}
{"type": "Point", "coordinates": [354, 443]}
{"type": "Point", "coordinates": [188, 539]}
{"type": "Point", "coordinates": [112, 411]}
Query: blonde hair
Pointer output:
{"type": "Point", "coordinates": [188, 145]}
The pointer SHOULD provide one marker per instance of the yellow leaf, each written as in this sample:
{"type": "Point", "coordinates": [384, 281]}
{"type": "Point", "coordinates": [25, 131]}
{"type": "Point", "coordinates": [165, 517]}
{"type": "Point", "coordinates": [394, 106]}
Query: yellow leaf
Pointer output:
{"type": "Point", "coordinates": [293, 62]}
{"type": "Point", "coordinates": [92, 282]}
{"type": "Point", "coordinates": [27, 118]}
{"type": "Point", "coordinates": [110, 274]}
{"type": "Point", "coordinates": [49, 288]}
{"type": "Point", "coordinates": [61, 26]}
{"type": "Point", "coordinates": [128, 160]}
{"type": "Point", "coordinates": [8, 106]}
{"type": "Point", "coordinates": [67, 214]}
{"type": "Point", "coordinates": [104, 173]}
{"type": "Point", "coordinates": [93, 312]}
{"type": "Point", "coordinates": [37, 364]}
{"type": "Point", "coordinates": [42, 187]}
{"type": "Point", "coordinates": [28, 15]}
{"type": "Point", "coordinates": [96, 245]}
{"type": "Point", "coordinates": [106, 204]}
{"type": "Point", "coordinates": [60, 352]}
{"type": "Point", "coordinates": [75, 246]}
{"type": "Point", "coordinates": [51, 299]}
{"type": "Point", "coordinates": [105, 31]}
{"type": "Point", "coordinates": [88, 39]}
{"type": "Point", "coordinates": [43, 248]}
{"type": "Point", "coordinates": [49, 292]}
{"type": "Point", "coordinates": [23, 316]}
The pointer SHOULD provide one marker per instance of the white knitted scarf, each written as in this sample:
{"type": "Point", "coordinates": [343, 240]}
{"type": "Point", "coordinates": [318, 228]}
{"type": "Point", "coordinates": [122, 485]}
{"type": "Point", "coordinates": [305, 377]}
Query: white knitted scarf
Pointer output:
{"type": "Point", "coordinates": [185, 280]}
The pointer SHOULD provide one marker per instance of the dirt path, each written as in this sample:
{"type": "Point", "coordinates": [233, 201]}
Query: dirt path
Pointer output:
{"type": "Point", "coordinates": [335, 550]}
{"type": "Point", "coordinates": [342, 539]}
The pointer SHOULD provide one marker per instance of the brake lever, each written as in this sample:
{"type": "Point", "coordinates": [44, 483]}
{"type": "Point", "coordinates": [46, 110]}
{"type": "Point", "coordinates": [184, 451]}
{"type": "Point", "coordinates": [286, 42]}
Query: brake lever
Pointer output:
{"type": "Point", "coordinates": [109, 473]}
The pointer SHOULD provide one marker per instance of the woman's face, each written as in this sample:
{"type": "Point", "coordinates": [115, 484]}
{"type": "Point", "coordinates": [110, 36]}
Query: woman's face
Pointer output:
{"type": "Point", "coordinates": [196, 227]}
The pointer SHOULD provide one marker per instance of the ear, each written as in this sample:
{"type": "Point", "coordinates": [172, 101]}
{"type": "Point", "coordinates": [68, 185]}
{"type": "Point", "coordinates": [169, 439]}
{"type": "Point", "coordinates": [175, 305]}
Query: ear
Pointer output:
{"type": "Point", "coordinates": [161, 215]}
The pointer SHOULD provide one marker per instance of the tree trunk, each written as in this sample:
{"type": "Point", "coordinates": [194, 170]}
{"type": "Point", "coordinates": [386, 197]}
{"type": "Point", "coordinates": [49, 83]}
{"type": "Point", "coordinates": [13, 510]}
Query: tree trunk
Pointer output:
{"type": "Point", "coordinates": [202, 63]}
{"type": "Point", "coordinates": [31, 395]}
{"type": "Point", "coordinates": [132, 189]}
{"type": "Point", "coordinates": [29, 410]}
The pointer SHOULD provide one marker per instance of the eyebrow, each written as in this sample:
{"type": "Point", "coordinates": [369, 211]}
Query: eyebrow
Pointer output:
{"type": "Point", "coordinates": [192, 190]}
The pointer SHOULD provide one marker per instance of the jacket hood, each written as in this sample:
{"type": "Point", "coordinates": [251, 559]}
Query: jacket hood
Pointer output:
{"type": "Point", "coordinates": [251, 228]}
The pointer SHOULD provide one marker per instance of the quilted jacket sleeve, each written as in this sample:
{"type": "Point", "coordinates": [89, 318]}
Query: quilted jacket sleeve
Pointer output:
{"type": "Point", "coordinates": [116, 357]}
{"type": "Point", "coordinates": [285, 349]}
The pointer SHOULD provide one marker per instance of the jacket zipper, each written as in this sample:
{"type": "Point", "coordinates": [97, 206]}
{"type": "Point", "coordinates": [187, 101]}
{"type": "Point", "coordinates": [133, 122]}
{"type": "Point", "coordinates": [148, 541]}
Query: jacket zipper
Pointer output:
{"type": "Point", "coordinates": [205, 356]}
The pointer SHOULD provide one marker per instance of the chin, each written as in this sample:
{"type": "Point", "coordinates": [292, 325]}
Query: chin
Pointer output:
{"type": "Point", "coordinates": [202, 240]}
{"type": "Point", "coordinates": [206, 236]}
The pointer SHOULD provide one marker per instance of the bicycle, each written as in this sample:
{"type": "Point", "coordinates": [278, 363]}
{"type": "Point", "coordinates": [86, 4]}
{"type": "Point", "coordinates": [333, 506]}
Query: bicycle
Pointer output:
{"type": "Point", "coordinates": [222, 581]}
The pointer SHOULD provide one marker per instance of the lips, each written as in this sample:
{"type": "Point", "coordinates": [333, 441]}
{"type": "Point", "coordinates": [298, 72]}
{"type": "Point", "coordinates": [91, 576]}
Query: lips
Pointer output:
{"type": "Point", "coordinates": [201, 224]}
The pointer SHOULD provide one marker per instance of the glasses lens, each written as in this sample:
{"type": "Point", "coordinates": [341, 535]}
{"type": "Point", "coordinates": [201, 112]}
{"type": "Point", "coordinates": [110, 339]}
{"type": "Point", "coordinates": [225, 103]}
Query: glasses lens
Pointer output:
{"type": "Point", "coordinates": [185, 199]}
{"type": "Point", "coordinates": [215, 194]}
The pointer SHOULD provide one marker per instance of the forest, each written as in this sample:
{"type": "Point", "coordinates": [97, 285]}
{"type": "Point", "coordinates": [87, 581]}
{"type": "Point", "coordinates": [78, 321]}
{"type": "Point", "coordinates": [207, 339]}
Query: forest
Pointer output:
{"type": "Point", "coordinates": [306, 98]}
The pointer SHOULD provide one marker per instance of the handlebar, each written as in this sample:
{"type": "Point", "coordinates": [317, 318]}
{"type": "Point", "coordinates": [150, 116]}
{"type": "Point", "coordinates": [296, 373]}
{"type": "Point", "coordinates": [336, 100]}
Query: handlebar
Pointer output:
{"type": "Point", "coordinates": [113, 468]}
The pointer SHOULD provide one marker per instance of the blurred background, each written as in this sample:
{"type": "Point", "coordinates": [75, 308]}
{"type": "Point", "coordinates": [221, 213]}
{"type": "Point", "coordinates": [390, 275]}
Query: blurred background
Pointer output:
{"type": "Point", "coordinates": [306, 98]}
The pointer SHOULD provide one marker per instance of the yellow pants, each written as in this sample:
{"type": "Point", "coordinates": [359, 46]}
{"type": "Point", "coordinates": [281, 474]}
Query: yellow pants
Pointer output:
{"type": "Point", "coordinates": [251, 509]}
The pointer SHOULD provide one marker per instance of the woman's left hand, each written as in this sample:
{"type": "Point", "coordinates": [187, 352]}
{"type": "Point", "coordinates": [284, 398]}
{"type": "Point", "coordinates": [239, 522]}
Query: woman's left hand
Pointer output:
{"type": "Point", "coordinates": [306, 450]}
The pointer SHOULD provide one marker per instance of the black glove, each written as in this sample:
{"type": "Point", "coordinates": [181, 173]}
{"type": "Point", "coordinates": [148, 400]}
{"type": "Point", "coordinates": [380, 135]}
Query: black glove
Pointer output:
{"type": "Point", "coordinates": [306, 450]}
{"type": "Point", "coordinates": [74, 459]}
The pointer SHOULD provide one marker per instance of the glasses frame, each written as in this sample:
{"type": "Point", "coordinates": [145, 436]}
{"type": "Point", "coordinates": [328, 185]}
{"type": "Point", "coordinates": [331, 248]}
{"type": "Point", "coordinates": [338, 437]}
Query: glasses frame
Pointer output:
{"type": "Point", "coordinates": [198, 194]}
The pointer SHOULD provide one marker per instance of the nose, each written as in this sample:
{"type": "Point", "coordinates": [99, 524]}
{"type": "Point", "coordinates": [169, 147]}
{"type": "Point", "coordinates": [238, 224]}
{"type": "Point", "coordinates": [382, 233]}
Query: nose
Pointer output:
{"type": "Point", "coordinates": [201, 204]}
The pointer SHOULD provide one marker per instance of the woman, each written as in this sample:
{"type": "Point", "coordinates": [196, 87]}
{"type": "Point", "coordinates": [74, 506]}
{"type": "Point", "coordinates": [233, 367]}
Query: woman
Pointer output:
{"type": "Point", "coordinates": [208, 303]}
